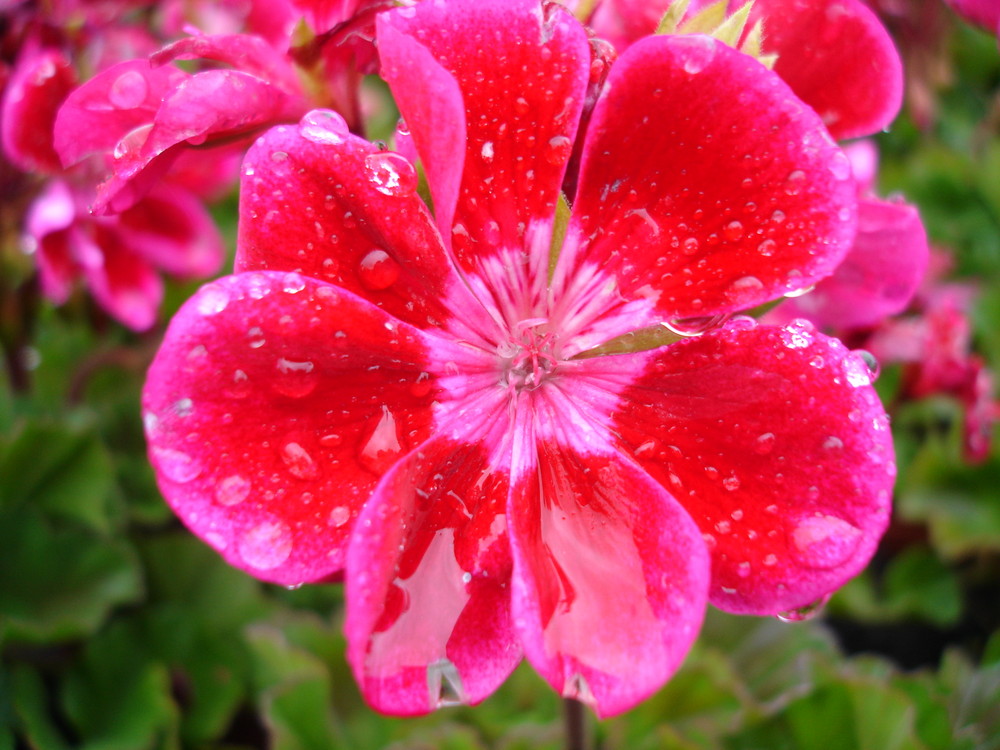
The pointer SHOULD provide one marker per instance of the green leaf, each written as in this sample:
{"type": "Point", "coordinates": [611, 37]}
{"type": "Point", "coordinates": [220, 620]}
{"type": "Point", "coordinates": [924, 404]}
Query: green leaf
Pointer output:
{"type": "Point", "coordinates": [60, 583]}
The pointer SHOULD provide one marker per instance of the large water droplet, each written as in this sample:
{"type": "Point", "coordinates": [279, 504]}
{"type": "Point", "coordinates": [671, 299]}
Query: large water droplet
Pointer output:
{"type": "Point", "coordinates": [689, 327]}
{"type": "Point", "coordinates": [794, 182]}
{"type": "Point", "coordinates": [297, 379]}
{"type": "Point", "coordinates": [266, 545]}
{"type": "Point", "coordinates": [698, 52]}
{"type": "Point", "coordinates": [767, 248]}
{"type": "Point", "coordinates": [324, 126]}
{"type": "Point", "coordinates": [444, 684]}
{"type": "Point", "coordinates": [176, 465]}
{"type": "Point", "coordinates": [298, 460]}
{"type": "Point", "coordinates": [128, 90]}
{"type": "Point", "coordinates": [807, 612]}
{"type": "Point", "coordinates": [764, 444]}
{"type": "Point", "coordinates": [232, 490]}
{"type": "Point", "coordinates": [391, 173]}
{"type": "Point", "coordinates": [733, 231]}
{"type": "Point", "coordinates": [382, 448]}
{"type": "Point", "coordinates": [212, 300]}
{"type": "Point", "coordinates": [378, 270]}
{"type": "Point", "coordinates": [558, 149]}
{"type": "Point", "coordinates": [874, 369]}
{"type": "Point", "coordinates": [339, 516]}
{"type": "Point", "coordinates": [840, 165]}
{"type": "Point", "coordinates": [487, 151]}
{"type": "Point", "coordinates": [824, 541]}
{"type": "Point", "coordinates": [132, 142]}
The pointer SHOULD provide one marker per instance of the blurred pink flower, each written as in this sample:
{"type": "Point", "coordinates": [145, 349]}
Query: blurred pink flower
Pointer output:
{"type": "Point", "coordinates": [470, 416]}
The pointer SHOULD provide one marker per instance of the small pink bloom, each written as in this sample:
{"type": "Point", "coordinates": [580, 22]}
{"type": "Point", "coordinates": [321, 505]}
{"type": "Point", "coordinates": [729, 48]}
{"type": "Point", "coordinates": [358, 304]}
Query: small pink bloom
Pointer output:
{"type": "Point", "coordinates": [835, 54]}
{"type": "Point", "coordinates": [422, 404]}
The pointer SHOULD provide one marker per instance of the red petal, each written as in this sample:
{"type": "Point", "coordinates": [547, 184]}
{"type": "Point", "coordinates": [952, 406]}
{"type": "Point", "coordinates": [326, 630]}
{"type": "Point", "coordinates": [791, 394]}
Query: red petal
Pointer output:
{"type": "Point", "coordinates": [174, 231]}
{"type": "Point", "coordinates": [31, 98]}
{"type": "Point", "coordinates": [706, 186]}
{"type": "Point", "coordinates": [428, 613]}
{"type": "Point", "coordinates": [838, 58]}
{"type": "Point", "coordinates": [492, 92]}
{"type": "Point", "coordinates": [777, 445]}
{"type": "Point", "coordinates": [246, 52]}
{"type": "Point", "coordinates": [610, 574]}
{"type": "Point", "coordinates": [100, 112]}
{"type": "Point", "coordinates": [318, 200]}
{"type": "Point", "coordinates": [272, 408]}
{"type": "Point", "coordinates": [878, 278]}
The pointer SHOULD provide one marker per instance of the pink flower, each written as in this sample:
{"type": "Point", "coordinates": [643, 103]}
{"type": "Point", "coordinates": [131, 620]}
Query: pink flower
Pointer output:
{"type": "Point", "coordinates": [432, 407]}
{"type": "Point", "coordinates": [835, 54]}
{"type": "Point", "coordinates": [985, 13]}
{"type": "Point", "coordinates": [882, 272]}
{"type": "Point", "coordinates": [146, 112]}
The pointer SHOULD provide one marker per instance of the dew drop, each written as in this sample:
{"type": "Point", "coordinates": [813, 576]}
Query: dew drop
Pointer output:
{"type": "Point", "coordinates": [266, 545]}
{"type": "Point", "coordinates": [324, 126]}
{"type": "Point", "coordinates": [698, 52]}
{"type": "Point", "coordinates": [279, 156]}
{"type": "Point", "coordinates": [874, 369]}
{"type": "Point", "coordinates": [744, 286]}
{"type": "Point", "coordinates": [771, 560]}
{"type": "Point", "coordinates": [256, 336]}
{"type": "Point", "coordinates": [824, 541]}
{"type": "Point", "coordinates": [799, 292]}
{"type": "Point", "coordinates": [833, 443]}
{"type": "Point", "coordinates": [232, 490]}
{"type": "Point", "coordinates": [132, 142]}
{"type": "Point", "coordinates": [298, 460]}
{"type": "Point", "coordinates": [778, 217]}
{"type": "Point", "coordinates": [767, 248]}
{"type": "Point", "coordinates": [731, 483]}
{"type": "Point", "coordinates": [129, 90]}
{"type": "Point", "coordinates": [487, 151]}
{"type": "Point", "coordinates": [466, 577]}
{"type": "Point", "coordinates": [378, 270]}
{"type": "Point", "coordinates": [444, 684]}
{"type": "Point", "coordinates": [807, 612]}
{"type": "Point", "coordinates": [391, 173]}
{"type": "Point", "coordinates": [339, 516]}
{"type": "Point", "coordinates": [764, 444]}
{"type": "Point", "coordinates": [422, 385]}
{"type": "Point", "coordinates": [558, 150]}
{"type": "Point", "coordinates": [743, 570]}
{"type": "Point", "coordinates": [297, 379]}
{"type": "Point", "coordinates": [733, 231]}
{"type": "Point", "coordinates": [840, 165]}
{"type": "Point", "coordinates": [239, 386]}
{"type": "Point", "coordinates": [293, 283]}
{"type": "Point", "coordinates": [689, 246]}
{"type": "Point", "coordinates": [176, 465]}
{"type": "Point", "coordinates": [690, 327]}
{"type": "Point", "coordinates": [382, 447]}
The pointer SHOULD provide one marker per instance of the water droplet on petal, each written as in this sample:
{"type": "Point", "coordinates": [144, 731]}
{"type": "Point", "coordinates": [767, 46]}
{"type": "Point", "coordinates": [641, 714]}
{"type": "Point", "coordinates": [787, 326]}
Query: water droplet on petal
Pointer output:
{"type": "Point", "coordinates": [324, 126]}
{"type": "Point", "coordinates": [487, 151]}
{"type": "Point", "coordinates": [833, 443]}
{"type": "Point", "coordinates": [378, 270]}
{"type": "Point", "coordinates": [340, 516]}
{"type": "Point", "coordinates": [764, 444]}
{"type": "Point", "coordinates": [743, 570]}
{"type": "Point", "coordinates": [871, 363]}
{"type": "Point", "coordinates": [807, 612]}
{"type": "Point", "coordinates": [239, 386]}
{"type": "Point", "coordinates": [698, 52]}
{"type": "Point", "coordinates": [298, 460]}
{"type": "Point", "coordinates": [745, 286]}
{"type": "Point", "coordinates": [794, 182]}
{"type": "Point", "coordinates": [824, 541]}
{"type": "Point", "coordinates": [293, 283]}
{"type": "Point", "coordinates": [256, 336]}
{"type": "Point", "coordinates": [689, 327]}
{"type": "Point", "coordinates": [731, 483]}
{"type": "Point", "coordinates": [558, 150]}
{"type": "Point", "coordinates": [279, 156]}
{"type": "Point", "coordinates": [176, 465]}
{"type": "Point", "coordinates": [444, 684]}
{"type": "Point", "coordinates": [391, 173]}
{"type": "Point", "coordinates": [733, 230]}
{"type": "Point", "coordinates": [232, 490]}
{"type": "Point", "coordinates": [132, 142]}
{"type": "Point", "coordinates": [792, 294]}
{"type": "Point", "coordinates": [840, 165]}
{"type": "Point", "coordinates": [767, 248]}
{"type": "Point", "coordinates": [422, 385]}
{"type": "Point", "coordinates": [297, 379]}
{"type": "Point", "coordinates": [212, 300]}
{"type": "Point", "coordinates": [689, 246]}
{"type": "Point", "coordinates": [382, 448]}
{"type": "Point", "coordinates": [266, 545]}
{"type": "Point", "coordinates": [128, 90]}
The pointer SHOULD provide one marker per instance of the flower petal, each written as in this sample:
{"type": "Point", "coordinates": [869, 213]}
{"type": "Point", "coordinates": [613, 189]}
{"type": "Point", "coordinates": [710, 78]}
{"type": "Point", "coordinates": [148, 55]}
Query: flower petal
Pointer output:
{"type": "Point", "coordinates": [492, 92]}
{"type": "Point", "coordinates": [610, 572]}
{"type": "Point", "coordinates": [838, 58]}
{"type": "Point", "coordinates": [428, 603]}
{"type": "Point", "coordinates": [776, 443]}
{"type": "Point", "coordinates": [272, 408]}
{"type": "Point", "coordinates": [321, 201]}
{"type": "Point", "coordinates": [706, 186]}
{"type": "Point", "coordinates": [878, 278]}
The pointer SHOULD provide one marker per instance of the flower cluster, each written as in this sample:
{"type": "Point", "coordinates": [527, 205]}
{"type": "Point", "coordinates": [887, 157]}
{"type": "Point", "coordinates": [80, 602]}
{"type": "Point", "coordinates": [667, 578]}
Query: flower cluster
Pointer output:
{"type": "Point", "coordinates": [533, 425]}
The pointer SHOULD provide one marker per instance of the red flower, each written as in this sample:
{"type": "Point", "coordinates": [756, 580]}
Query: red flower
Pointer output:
{"type": "Point", "coordinates": [432, 407]}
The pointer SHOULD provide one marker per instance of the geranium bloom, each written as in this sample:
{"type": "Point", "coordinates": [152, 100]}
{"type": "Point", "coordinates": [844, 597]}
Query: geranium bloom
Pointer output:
{"type": "Point", "coordinates": [433, 407]}
{"type": "Point", "coordinates": [835, 54]}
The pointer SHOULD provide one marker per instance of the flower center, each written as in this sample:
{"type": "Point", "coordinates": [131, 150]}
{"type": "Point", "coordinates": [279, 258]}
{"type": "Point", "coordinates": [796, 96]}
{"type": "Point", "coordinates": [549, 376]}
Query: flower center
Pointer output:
{"type": "Point", "coordinates": [528, 355]}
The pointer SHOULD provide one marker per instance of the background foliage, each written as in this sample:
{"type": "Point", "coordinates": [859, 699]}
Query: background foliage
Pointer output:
{"type": "Point", "coordinates": [120, 631]}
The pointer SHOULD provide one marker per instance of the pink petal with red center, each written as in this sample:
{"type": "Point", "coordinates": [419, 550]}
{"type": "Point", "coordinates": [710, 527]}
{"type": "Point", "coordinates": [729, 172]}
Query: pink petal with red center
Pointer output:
{"type": "Point", "coordinates": [610, 572]}
{"type": "Point", "coordinates": [428, 567]}
{"type": "Point", "coordinates": [319, 200]}
{"type": "Point", "coordinates": [706, 186]}
{"type": "Point", "coordinates": [838, 58]}
{"type": "Point", "coordinates": [47, 226]}
{"type": "Point", "coordinates": [778, 446]}
{"type": "Point", "coordinates": [123, 283]}
{"type": "Point", "coordinates": [878, 278]}
{"type": "Point", "coordinates": [174, 231]}
{"type": "Point", "coordinates": [272, 408]}
{"type": "Point", "coordinates": [209, 106]}
{"type": "Point", "coordinates": [510, 78]}
{"type": "Point", "coordinates": [104, 109]}
{"type": "Point", "coordinates": [37, 86]}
